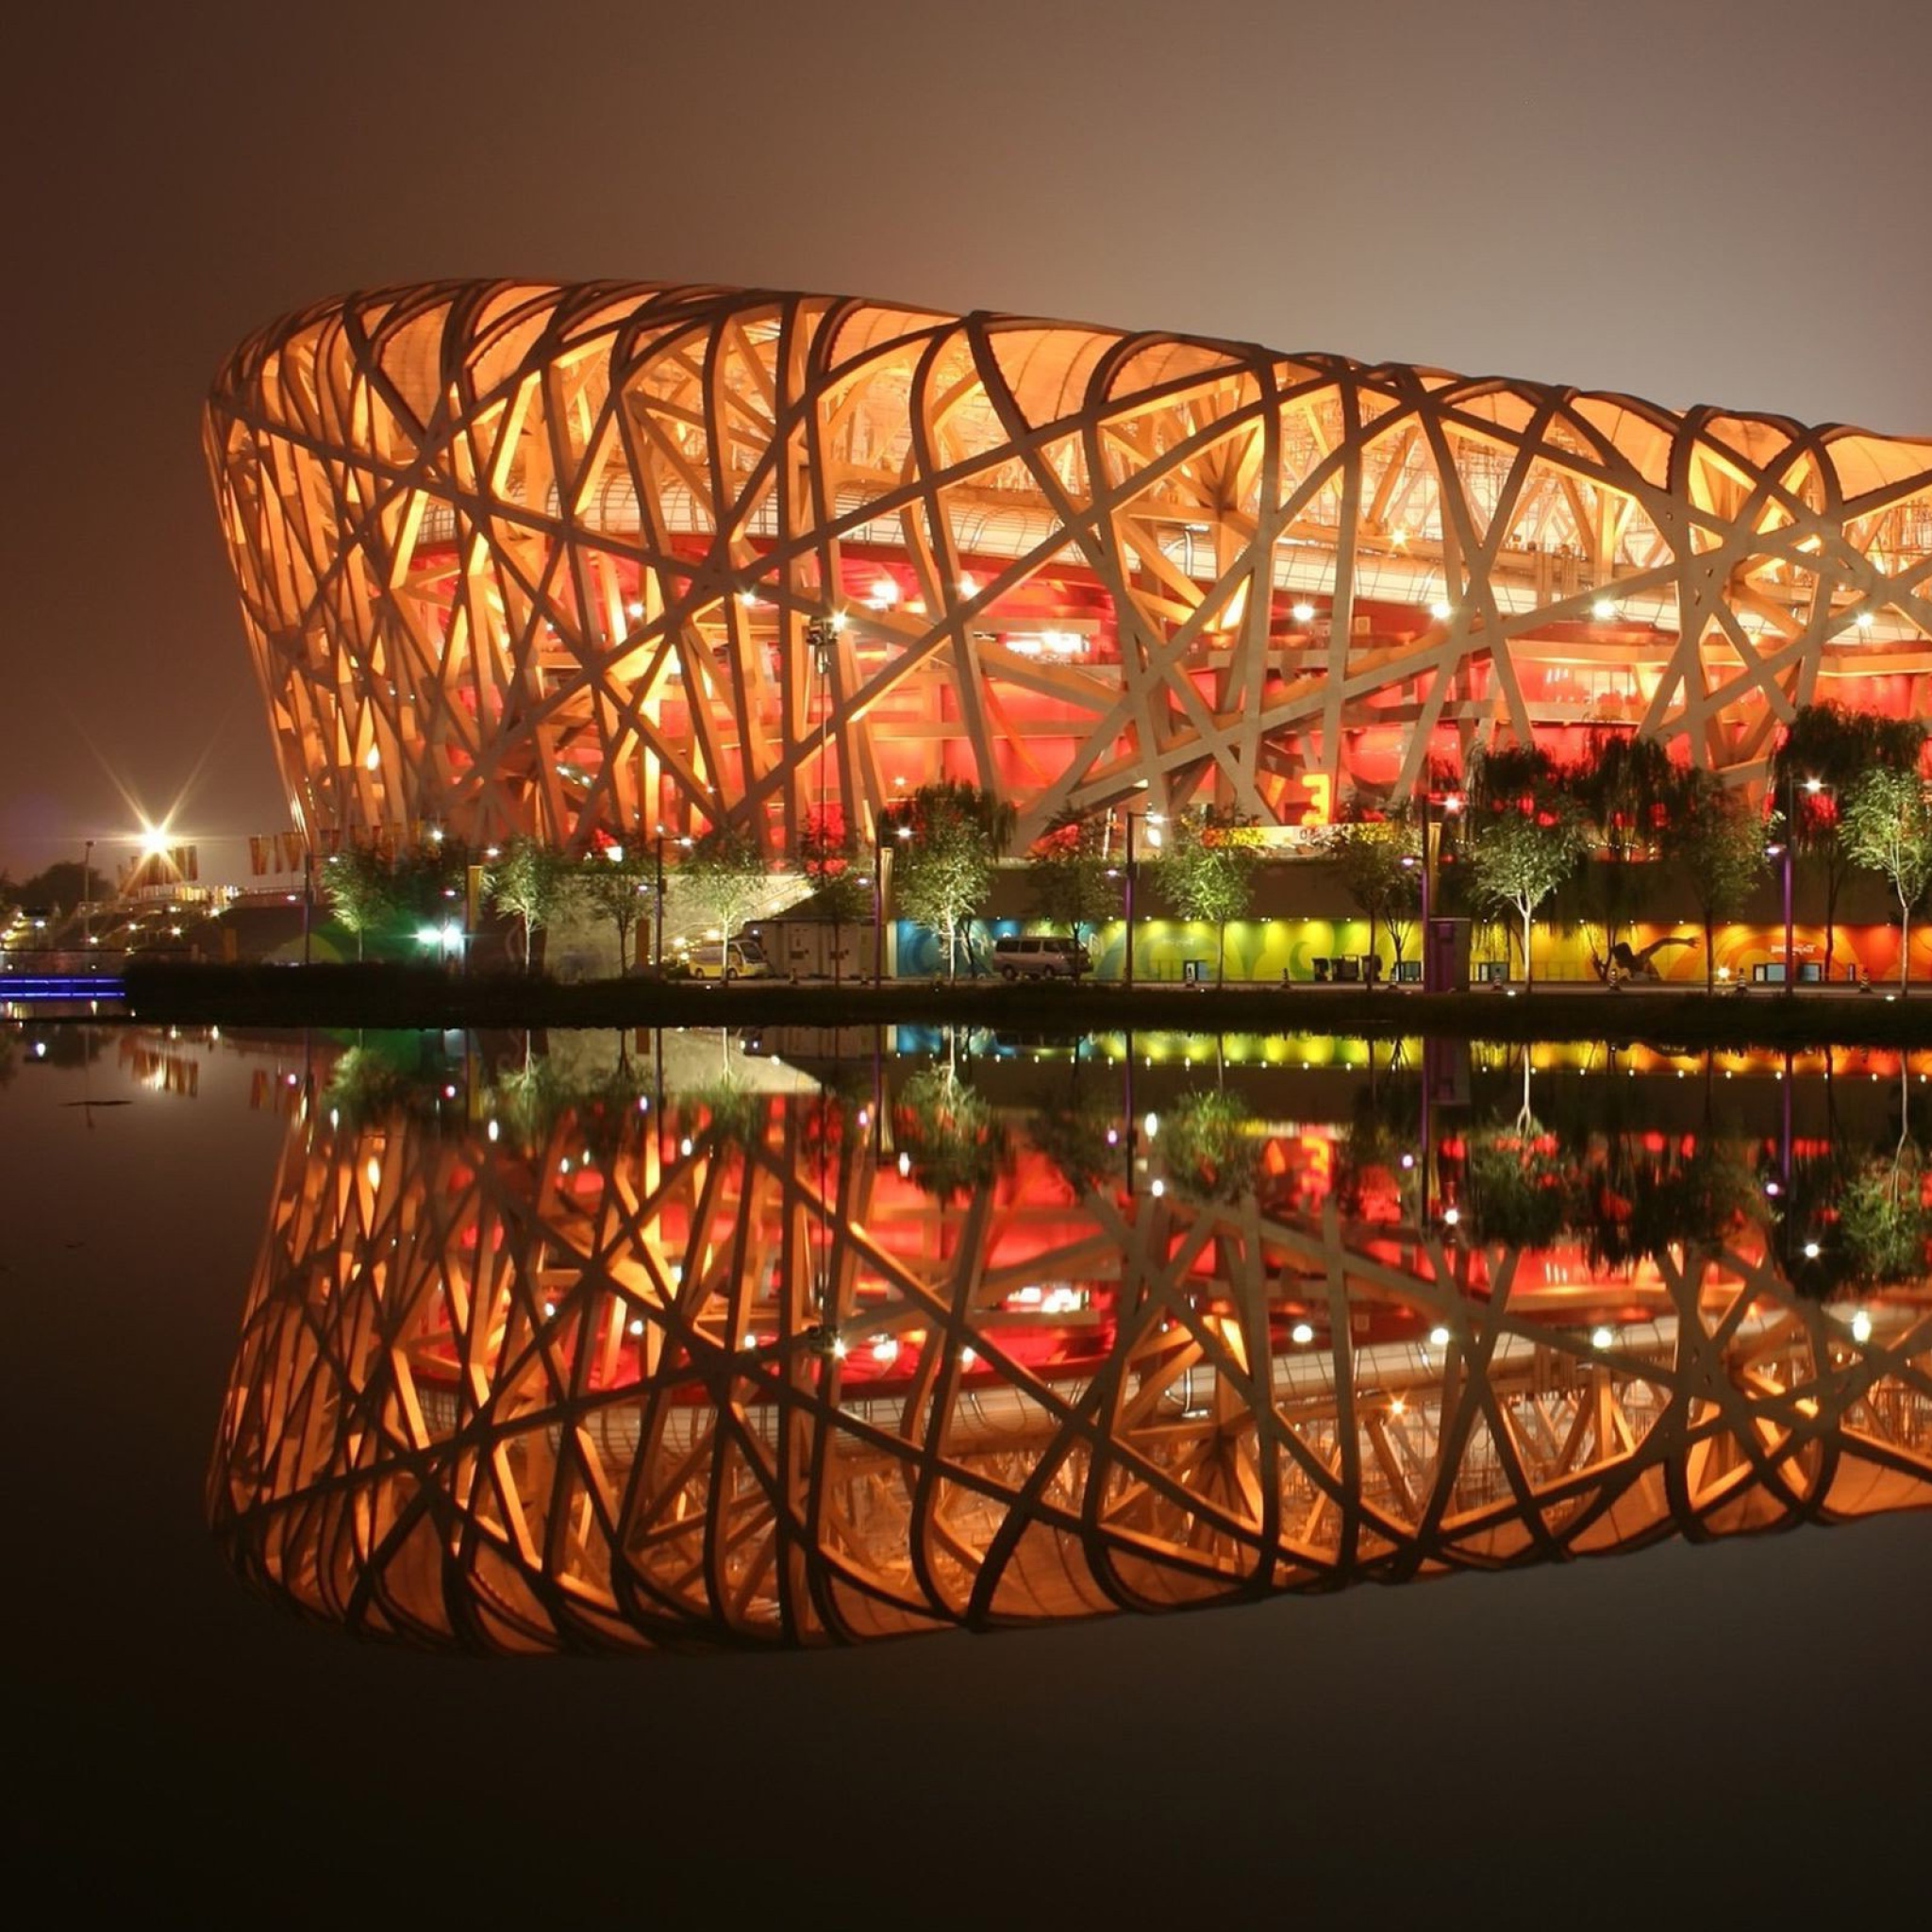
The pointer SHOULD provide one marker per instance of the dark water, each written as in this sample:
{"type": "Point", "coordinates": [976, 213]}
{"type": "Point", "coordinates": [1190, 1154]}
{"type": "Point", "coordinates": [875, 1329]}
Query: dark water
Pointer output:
{"type": "Point", "coordinates": [458, 1471]}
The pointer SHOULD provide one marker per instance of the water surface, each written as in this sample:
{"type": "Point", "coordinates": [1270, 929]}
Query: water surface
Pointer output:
{"type": "Point", "coordinates": [657, 1344]}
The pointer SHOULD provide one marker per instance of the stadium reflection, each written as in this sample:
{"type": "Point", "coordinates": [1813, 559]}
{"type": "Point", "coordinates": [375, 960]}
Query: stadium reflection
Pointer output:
{"type": "Point", "coordinates": [771, 1353]}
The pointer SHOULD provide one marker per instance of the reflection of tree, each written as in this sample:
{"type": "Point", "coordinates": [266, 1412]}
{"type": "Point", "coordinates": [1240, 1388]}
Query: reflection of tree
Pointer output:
{"type": "Point", "coordinates": [943, 1125]}
{"type": "Point", "coordinates": [1855, 1217]}
{"type": "Point", "coordinates": [528, 1099]}
{"type": "Point", "coordinates": [1636, 1202]}
{"type": "Point", "coordinates": [1073, 1135]}
{"type": "Point", "coordinates": [1517, 1184]}
{"type": "Point", "coordinates": [1882, 1223]}
{"type": "Point", "coordinates": [1385, 1126]}
{"type": "Point", "coordinates": [381, 1075]}
{"type": "Point", "coordinates": [734, 1116]}
{"type": "Point", "coordinates": [831, 1122]}
{"type": "Point", "coordinates": [606, 1104]}
{"type": "Point", "coordinates": [1209, 1153]}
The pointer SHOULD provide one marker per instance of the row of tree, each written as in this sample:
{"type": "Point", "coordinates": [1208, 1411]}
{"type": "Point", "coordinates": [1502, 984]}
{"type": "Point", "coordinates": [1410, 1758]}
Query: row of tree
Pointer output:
{"type": "Point", "coordinates": [945, 840]}
{"type": "Point", "coordinates": [723, 877]}
{"type": "Point", "coordinates": [1846, 789]}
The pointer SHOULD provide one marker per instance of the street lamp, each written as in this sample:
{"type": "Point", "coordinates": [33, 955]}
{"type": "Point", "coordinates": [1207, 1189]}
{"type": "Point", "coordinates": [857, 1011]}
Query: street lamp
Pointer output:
{"type": "Point", "coordinates": [686, 842]}
{"type": "Point", "coordinates": [819, 634]}
{"type": "Point", "coordinates": [878, 896]}
{"type": "Point", "coordinates": [1787, 849]}
{"type": "Point", "coordinates": [86, 909]}
{"type": "Point", "coordinates": [1153, 822]}
{"type": "Point", "coordinates": [657, 908]}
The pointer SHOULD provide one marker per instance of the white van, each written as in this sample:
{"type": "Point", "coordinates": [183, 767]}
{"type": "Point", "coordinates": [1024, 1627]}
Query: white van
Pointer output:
{"type": "Point", "coordinates": [740, 959]}
{"type": "Point", "coordinates": [1039, 958]}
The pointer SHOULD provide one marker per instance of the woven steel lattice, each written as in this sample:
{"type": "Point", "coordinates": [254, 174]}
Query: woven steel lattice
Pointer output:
{"type": "Point", "coordinates": [544, 559]}
{"type": "Point", "coordinates": [728, 1375]}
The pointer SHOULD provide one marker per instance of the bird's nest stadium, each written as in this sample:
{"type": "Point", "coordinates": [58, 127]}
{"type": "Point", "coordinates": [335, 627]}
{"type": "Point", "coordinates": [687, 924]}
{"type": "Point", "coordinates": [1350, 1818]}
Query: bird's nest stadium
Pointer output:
{"type": "Point", "coordinates": [580, 561]}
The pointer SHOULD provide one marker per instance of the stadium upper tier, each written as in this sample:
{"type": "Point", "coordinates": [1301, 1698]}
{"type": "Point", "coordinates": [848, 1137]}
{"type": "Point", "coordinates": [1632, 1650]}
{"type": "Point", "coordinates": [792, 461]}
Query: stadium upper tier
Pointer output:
{"type": "Point", "coordinates": [518, 558]}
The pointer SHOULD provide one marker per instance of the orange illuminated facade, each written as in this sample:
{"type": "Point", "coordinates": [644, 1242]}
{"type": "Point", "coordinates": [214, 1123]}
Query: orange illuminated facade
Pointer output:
{"type": "Point", "coordinates": [544, 559]}
{"type": "Point", "coordinates": [752, 1370]}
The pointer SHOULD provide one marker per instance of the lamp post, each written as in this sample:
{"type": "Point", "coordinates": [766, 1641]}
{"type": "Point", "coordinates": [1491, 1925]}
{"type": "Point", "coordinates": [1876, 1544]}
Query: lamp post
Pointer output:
{"type": "Point", "coordinates": [1791, 844]}
{"type": "Point", "coordinates": [1451, 804]}
{"type": "Point", "coordinates": [819, 634]}
{"type": "Point", "coordinates": [657, 908]}
{"type": "Point", "coordinates": [86, 909]}
{"type": "Point", "coordinates": [1153, 822]}
{"type": "Point", "coordinates": [1813, 786]}
{"type": "Point", "coordinates": [878, 899]}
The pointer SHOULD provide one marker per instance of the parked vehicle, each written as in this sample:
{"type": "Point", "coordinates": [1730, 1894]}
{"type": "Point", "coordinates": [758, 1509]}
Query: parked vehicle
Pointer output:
{"type": "Point", "coordinates": [740, 959]}
{"type": "Point", "coordinates": [814, 948]}
{"type": "Point", "coordinates": [1039, 958]}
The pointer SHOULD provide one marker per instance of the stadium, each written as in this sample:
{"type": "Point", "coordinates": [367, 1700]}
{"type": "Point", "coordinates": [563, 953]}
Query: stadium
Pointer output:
{"type": "Point", "coordinates": [593, 560]}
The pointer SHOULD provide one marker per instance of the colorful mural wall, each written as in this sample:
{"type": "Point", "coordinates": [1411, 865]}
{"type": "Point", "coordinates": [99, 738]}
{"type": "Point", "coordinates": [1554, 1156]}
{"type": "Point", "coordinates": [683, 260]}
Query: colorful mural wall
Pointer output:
{"type": "Point", "coordinates": [1266, 950]}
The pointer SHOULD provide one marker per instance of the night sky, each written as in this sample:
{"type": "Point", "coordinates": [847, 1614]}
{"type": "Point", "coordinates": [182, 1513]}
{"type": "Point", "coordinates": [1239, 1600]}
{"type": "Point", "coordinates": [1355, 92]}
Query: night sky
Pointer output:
{"type": "Point", "coordinates": [1725, 202]}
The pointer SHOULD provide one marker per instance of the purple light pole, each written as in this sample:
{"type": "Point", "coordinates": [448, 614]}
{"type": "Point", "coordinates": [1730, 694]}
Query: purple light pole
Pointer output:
{"type": "Point", "coordinates": [1452, 803]}
{"type": "Point", "coordinates": [1790, 857]}
{"type": "Point", "coordinates": [1428, 974]}
{"type": "Point", "coordinates": [1812, 787]}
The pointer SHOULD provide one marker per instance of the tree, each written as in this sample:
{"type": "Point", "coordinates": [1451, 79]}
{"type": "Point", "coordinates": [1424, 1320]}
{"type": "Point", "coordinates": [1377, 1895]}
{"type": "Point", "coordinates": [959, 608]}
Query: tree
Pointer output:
{"type": "Point", "coordinates": [1380, 861]}
{"type": "Point", "coordinates": [429, 879]}
{"type": "Point", "coordinates": [362, 888]}
{"type": "Point", "coordinates": [1205, 875]}
{"type": "Point", "coordinates": [1072, 883]}
{"type": "Point", "coordinates": [944, 867]}
{"type": "Point", "coordinates": [618, 883]}
{"type": "Point", "coordinates": [1886, 825]}
{"type": "Point", "coordinates": [1632, 795]}
{"type": "Point", "coordinates": [725, 873]}
{"type": "Point", "coordinates": [63, 884]}
{"type": "Point", "coordinates": [1824, 750]}
{"type": "Point", "coordinates": [1719, 841]}
{"type": "Point", "coordinates": [1525, 837]}
{"type": "Point", "coordinates": [528, 883]}
{"type": "Point", "coordinates": [829, 856]}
